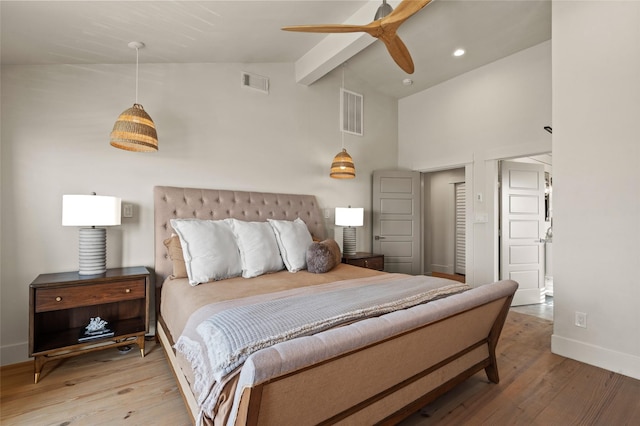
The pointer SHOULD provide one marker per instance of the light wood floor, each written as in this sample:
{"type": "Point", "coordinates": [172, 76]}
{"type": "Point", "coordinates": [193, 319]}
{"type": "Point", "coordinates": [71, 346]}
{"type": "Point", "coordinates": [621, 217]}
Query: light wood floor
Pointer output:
{"type": "Point", "coordinates": [536, 388]}
{"type": "Point", "coordinates": [99, 388]}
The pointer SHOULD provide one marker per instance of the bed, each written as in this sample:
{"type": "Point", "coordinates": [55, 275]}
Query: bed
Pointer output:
{"type": "Point", "coordinates": [345, 372]}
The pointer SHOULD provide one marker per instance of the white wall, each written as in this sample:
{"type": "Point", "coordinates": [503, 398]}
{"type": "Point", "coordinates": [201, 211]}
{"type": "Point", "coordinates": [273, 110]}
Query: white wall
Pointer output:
{"type": "Point", "coordinates": [596, 165]}
{"type": "Point", "coordinates": [494, 112]}
{"type": "Point", "coordinates": [212, 133]}
{"type": "Point", "coordinates": [498, 112]}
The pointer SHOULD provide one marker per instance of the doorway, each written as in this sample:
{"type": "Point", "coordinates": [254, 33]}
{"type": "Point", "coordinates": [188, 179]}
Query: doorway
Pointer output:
{"type": "Point", "coordinates": [526, 235]}
{"type": "Point", "coordinates": [444, 218]}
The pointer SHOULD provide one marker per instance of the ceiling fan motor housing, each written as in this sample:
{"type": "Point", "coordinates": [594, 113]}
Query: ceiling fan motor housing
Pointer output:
{"type": "Point", "coordinates": [383, 10]}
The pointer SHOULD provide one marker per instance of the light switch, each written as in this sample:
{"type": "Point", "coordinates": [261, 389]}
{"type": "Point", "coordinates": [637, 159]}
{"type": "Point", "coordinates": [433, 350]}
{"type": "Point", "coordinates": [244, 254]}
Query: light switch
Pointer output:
{"type": "Point", "coordinates": [482, 218]}
{"type": "Point", "coordinates": [127, 210]}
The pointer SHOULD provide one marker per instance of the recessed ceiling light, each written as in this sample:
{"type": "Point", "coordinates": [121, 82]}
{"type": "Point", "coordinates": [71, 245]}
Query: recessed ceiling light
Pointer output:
{"type": "Point", "coordinates": [407, 82]}
{"type": "Point", "coordinates": [458, 52]}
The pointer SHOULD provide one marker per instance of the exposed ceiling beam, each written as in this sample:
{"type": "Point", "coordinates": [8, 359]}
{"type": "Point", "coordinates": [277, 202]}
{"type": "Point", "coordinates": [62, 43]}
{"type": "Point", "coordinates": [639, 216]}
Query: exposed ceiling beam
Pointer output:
{"type": "Point", "coordinates": [336, 49]}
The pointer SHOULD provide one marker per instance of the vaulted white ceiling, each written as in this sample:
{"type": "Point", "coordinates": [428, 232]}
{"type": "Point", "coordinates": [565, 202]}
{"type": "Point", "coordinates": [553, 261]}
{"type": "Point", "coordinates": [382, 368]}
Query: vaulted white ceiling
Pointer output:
{"type": "Point", "coordinates": [240, 31]}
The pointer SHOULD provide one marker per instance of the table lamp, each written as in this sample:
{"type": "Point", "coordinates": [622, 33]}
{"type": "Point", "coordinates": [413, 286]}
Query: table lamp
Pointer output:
{"type": "Point", "coordinates": [89, 212]}
{"type": "Point", "coordinates": [349, 218]}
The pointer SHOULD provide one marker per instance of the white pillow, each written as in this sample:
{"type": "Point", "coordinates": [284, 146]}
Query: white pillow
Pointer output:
{"type": "Point", "coordinates": [209, 248]}
{"type": "Point", "coordinates": [259, 251]}
{"type": "Point", "coordinates": [293, 239]}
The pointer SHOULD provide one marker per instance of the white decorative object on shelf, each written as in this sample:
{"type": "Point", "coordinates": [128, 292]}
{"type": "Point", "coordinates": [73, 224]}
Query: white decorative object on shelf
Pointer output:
{"type": "Point", "coordinates": [95, 330]}
{"type": "Point", "coordinates": [95, 324]}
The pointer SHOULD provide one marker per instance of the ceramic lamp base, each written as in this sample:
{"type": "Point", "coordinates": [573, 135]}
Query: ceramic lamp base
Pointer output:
{"type": "Point", "coordinates": [93, 251]}
{"type": "Point", "coordinates": [349, 240]}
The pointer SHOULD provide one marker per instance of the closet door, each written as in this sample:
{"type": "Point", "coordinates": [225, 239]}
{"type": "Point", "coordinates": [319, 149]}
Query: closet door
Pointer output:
{"type": "Point", "coordinates": [396, 208]}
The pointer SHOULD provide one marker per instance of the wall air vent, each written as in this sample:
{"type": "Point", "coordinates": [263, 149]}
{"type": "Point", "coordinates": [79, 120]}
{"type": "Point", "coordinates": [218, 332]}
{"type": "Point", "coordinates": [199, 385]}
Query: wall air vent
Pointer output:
{"type": "Point", "coordinates": [351, 113]}
{"type": "Point", "coordinates": [255, 82]}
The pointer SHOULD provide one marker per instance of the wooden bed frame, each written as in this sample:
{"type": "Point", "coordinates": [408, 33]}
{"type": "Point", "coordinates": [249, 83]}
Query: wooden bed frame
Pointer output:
{"type": "Point", "coordinates": [364, 386]}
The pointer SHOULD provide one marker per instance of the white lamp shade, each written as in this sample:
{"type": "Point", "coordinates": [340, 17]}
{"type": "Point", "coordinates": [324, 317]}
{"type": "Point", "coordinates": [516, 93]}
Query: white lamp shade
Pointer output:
{"type": "Point", "coordinates": [349, 216]}
{"type": "Point", "coordinates": [90, 210]}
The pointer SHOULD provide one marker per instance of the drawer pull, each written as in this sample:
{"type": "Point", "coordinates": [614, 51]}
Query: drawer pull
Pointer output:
{"type": "Point", "coordinates": [366, 263]}
{"type": "Point", "coordinates": [128, 290]}
{"type": "Point", "coordinates": [58, 299]}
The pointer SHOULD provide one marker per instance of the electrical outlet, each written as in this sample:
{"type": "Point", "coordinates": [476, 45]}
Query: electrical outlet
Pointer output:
{"type": "Point", "coordinates": [581, 319]}
{"type": "Point", "coordinates": [327, 213]}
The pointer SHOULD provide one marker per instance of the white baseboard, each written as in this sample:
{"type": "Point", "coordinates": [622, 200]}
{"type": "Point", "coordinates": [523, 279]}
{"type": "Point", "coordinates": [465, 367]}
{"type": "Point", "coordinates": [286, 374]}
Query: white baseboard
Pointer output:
{"type": "Point", "coordinates": [13, 354]}
{"type": "Point", "coordinates": [618, 362]}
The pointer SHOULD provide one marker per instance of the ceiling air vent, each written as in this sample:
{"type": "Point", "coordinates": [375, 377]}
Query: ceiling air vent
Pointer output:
{"type": "Point", "coordinates": [351, 120]}
{"type": "Point", "coordinates": [255, 82]}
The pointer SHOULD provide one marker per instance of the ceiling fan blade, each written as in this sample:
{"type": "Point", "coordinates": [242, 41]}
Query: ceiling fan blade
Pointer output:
{"type": "Point", "coordinates": [329, 28]}
{"type": "Point", "coordinates": [383, 29]}
{"type": "Point", "coordinates": [399, 53]}
{"type": "Point", "coordinates": [404, 11]}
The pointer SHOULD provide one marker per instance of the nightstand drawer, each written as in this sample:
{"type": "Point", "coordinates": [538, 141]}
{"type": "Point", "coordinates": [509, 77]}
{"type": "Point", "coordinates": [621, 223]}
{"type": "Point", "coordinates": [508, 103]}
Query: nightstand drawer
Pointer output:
{"type": "Point", "coordinates": [365, 260]}
{"type": "Point", "coordinates": [372, 263]}
{"type": "Point", "coordinates": [50, 299]}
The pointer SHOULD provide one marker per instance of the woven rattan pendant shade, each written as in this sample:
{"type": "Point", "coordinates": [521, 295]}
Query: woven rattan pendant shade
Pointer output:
{"type": "Point", "coordinates": [134, 131]}
{"type": "Point", "coordinates": [342, 166]}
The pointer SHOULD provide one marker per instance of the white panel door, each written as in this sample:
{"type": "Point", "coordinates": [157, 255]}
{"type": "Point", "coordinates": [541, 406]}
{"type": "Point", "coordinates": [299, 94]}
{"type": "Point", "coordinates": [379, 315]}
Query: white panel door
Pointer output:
{"type": "Point", "coordinates": [522, 228]}
{"type": "Point", "coordinates": [396, 220]}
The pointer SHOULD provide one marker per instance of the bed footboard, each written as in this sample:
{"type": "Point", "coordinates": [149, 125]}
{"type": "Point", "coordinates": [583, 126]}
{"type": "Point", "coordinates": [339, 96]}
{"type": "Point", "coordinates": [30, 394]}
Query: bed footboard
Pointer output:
{"type": "Point", "coordinates": [385, 382]}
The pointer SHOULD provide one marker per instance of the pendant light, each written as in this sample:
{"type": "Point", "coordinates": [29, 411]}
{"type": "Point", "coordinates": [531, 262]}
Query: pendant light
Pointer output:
{"type": "Point", "coordinates": [134, 130]}
{"type": "Point", "coordinates": [342, 166]}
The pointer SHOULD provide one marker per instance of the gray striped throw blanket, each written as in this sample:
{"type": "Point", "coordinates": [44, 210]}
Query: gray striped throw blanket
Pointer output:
{"type": "Point", "coordinates": [222, 343]}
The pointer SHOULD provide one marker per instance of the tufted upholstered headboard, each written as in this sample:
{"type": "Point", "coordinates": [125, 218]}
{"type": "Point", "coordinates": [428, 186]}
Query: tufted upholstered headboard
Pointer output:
{"type": "Point", "coordinates": [172, 202]}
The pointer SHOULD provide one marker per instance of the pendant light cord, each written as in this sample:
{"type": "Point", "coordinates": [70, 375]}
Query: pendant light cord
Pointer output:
{"type": "Point", "coordinates": [137, 51]}
{"type": "Point", "coordinates": [341, 100]}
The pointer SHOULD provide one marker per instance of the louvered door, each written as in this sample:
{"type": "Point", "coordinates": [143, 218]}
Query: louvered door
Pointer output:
{"type": "Point", "coordinates": [461, 234]}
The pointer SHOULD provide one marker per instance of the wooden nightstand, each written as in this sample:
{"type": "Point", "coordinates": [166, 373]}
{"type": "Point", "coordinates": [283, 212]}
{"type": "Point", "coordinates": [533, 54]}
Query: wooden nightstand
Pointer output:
{"type": "Point", "coordinates": [365, 260]}
{"type": "Point", "coordinates": [61, 305]}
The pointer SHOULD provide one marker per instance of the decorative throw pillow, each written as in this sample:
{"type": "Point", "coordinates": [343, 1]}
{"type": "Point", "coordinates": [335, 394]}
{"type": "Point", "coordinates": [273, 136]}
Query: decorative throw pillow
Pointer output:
{"type": "Point", "coordinates": [209, 249]}
{"type": "Point", "coordinates": [323, 256]}
{"type": "Point", "coordinates": [259, 251]}
{"type": "Point", "coordinates": [174, 250]}
{"type": "Point", "coordinates": [293, 239]}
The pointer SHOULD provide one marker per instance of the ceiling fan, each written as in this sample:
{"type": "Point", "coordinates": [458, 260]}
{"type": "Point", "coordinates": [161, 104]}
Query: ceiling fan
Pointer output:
{"type": "Point", "coordinates": [384, 27]}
